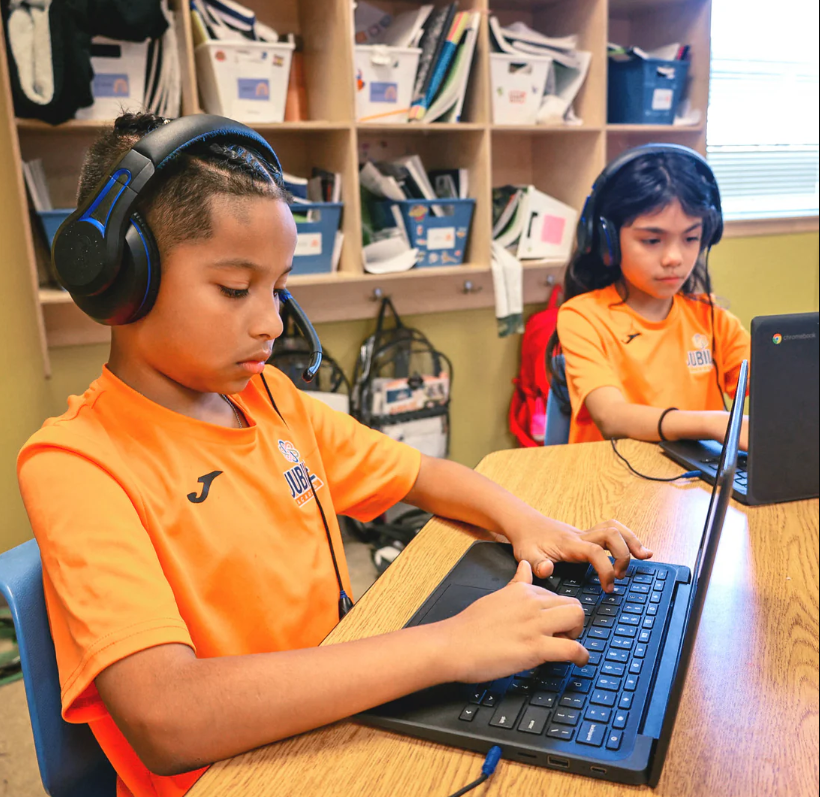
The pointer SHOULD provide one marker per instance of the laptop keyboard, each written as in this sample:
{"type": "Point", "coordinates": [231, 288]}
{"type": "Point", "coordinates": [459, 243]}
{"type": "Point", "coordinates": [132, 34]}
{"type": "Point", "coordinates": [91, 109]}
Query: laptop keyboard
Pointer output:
{"type": "Point", "coordinates": [741, 476]}
{"type": "Point", "coordinates": [589, 705]}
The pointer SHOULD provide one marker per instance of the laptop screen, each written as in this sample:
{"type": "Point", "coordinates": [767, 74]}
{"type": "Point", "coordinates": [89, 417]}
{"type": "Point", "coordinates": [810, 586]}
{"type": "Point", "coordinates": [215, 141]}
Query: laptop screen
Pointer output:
{"type": "Point", "coordinates": [702, 571]}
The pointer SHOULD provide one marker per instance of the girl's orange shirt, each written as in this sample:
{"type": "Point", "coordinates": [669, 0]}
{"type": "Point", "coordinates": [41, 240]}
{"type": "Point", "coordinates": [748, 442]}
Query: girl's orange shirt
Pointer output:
{"type": "Point", "coordinates": [656, 363]}
{"type": "Point", "coordinates": [156, 528]}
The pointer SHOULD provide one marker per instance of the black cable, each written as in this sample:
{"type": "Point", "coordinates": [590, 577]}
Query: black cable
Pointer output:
{"type": "Point", "coordinates": [487, 769]}
{"type": "Point", "coordinates": [690, 474]}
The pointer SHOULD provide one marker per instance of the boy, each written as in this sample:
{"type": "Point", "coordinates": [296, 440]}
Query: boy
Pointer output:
{"type": "Point", "coordinates": [188, 583]}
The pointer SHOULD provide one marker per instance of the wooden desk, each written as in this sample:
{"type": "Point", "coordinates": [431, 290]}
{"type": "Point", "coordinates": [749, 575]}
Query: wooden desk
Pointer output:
{"type": "Point", "coordinates": [748, 723]}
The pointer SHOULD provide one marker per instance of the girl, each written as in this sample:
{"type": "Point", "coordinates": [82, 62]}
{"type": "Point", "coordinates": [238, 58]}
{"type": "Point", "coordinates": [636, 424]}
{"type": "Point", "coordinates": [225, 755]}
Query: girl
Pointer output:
{"type": "Point", "coordinates": [648, 354]}
{"type": "Point", "coordinates": [185, 506]}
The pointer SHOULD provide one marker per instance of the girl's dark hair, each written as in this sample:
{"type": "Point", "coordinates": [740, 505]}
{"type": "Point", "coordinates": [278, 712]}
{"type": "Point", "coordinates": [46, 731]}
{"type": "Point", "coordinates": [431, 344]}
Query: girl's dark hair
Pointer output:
{"type": "Point", "coordinates": [643, 186]}
{"type": "Point", "coordinates": [178, 206]}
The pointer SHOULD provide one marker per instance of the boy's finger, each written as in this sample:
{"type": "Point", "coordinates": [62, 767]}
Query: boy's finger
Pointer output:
{"type": "Point", "coordinates": [523, 574]}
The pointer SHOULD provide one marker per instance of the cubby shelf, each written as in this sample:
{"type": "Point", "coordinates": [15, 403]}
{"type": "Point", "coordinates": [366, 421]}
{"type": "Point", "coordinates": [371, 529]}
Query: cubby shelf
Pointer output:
{"type": "Point", "coordinates": [561, 160]}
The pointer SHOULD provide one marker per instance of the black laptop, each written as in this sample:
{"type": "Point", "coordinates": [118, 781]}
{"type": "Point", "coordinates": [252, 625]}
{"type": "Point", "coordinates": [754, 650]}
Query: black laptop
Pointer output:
{"type": "Point", "coordinates": [783, 462]}
{"type": "Point", "coordinates": [611, 719]}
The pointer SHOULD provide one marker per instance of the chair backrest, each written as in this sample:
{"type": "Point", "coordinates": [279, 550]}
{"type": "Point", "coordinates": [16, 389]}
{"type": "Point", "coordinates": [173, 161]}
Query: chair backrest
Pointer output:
{"type": "Point", "coordinates": [71, 762]}
{"type": "Point", "coordinates": [557, 425]}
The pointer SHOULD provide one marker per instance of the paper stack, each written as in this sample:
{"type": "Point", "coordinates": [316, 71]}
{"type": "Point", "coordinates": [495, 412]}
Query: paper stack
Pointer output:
{"type": "Point", "coordinates": [568, 69]}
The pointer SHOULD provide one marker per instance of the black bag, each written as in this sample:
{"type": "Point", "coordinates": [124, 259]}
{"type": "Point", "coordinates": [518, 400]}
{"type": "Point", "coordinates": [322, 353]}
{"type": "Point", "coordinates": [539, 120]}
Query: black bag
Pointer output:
{"type": "Point", "coordinates": [402, 384]}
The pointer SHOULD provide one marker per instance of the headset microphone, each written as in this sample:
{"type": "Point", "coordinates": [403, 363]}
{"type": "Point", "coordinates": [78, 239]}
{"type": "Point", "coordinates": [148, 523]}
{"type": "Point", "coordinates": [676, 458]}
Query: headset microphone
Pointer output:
{"type": "Point", "coordinates": [308, 332]}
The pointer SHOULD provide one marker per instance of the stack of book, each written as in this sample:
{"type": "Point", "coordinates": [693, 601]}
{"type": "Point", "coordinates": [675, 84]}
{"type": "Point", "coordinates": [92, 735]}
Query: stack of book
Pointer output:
{"type": "Point", "coordinates": [447, 39]}
{"type": "Point", "coordinates": [567, 73]}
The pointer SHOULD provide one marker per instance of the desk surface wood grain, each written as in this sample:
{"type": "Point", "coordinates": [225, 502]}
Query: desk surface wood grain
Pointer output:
{"type": "Point", "coordinates": [748, 721]}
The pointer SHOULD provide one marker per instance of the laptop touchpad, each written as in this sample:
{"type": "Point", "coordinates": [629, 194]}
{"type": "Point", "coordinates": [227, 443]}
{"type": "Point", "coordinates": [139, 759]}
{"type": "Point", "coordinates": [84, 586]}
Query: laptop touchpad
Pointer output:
{"type": "Point", "coordinates": [453, 600]}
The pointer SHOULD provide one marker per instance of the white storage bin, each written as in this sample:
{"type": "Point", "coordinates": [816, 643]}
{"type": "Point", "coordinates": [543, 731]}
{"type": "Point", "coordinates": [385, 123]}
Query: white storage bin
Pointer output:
{"type": "Point", "coordinates": [119, 78]}
{"type": "Point", "coordinates": [246, 81]}
{"type": "Point", "coordinates": [384, 82]}
{"type": "Point", "coordinates": [518, 82]}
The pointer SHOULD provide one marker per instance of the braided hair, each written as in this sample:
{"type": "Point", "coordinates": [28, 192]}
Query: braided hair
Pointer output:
{"type": "Point", "coordinates": [177, 207]}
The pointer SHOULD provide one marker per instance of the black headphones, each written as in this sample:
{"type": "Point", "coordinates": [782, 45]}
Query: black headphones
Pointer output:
{"type": "Point", "coordinates": [595, 232]}
{"type": "Point", "coordinates": [104, 253]}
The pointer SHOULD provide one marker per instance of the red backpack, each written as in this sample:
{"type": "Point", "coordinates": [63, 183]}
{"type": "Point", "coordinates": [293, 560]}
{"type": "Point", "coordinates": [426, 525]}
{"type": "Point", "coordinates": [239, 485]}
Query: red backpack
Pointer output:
{"type": "Point", "coordinates": [528, 408]}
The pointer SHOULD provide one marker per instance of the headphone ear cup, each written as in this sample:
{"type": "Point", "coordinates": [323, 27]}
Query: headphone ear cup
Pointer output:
{"type": "Point", "coordinates": [135, 288]}
{"type": "Point", "coordinates": [609, 245]}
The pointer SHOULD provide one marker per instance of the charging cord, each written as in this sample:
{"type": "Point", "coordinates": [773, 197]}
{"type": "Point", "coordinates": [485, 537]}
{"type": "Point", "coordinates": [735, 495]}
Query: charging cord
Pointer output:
{"type": "Point", "coordinates": [487, 769]}
{"type": "Point", "coordinates": [690, 474]}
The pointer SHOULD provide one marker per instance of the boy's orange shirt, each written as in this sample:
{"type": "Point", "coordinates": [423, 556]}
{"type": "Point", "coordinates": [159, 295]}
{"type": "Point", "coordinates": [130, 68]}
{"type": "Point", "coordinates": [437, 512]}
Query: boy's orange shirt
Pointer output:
{"type": "Point", "coordinates": [156, 528]}
{"type": "Point", "coordinates": [659, 364]}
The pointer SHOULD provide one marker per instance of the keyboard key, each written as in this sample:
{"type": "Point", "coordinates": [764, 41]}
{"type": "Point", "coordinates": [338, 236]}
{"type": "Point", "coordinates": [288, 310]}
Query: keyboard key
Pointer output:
{"type": "Point", "coordinates": [642, 579]}
{"type": "Point", "coordinates": [657, 587]}
{"type": "Point", "coordinates": [607, 610]}
{"type": "Point", "coordinates": [599, 633]}
{"type": "Point", "coordinates": [597, 714]}
{"type": "Point", "coordinates": [570, 591]}
{"type": "Point", "coordinates": [588, 600]}
{"type": "Point", "coordinates": [601, 697]}
{"type": "Point", "coordinates": [630, 619]}
{"type": "Point", "coordinates": [631, 683]}
{"type": "Point", "coordinates": [507, 712]}
{"type": "Point", "coordinates": [553, 582]}
{"type": "Point", "coordinates": [468, 713]}
{"type": "Point", "coordinates": [543, 699]}
{"type": "Point", "coordinates": [553, 670]}
{"type": "Point", "coordinates": [621, 656]}
{"type": "Point", "coordinates": [644, 571]}
{"type": "Point", "coordinates": [595, 580]}
{"type": "Point", "coordinates": [611, 600]}
{"type": "Point", "coordinates": [652, 610]}
{"type": "Point", "coordinates": [591, 589]}
{"type": "Point", "coordinates": [633, 608]}
{"type": "Point", "coordinates": [490, 699]}
{"type": "Point", "coordinates": [618, 590]}
{"type": "Point", "coordinates": [587, 612]}
{"type": "Point", "coordinates": [594, 659]}
{"type": "Point", "coordinates": [477, 696]}
{"type": "Point", "coordinates": [621, 643]}
{"type": "Point", "coordinates": [591, 733]}
{"type": "Point", "coordinates": [661, 575]}
{"type": "Point", "coordinates": [626, 701]}
{"type": "Point", "coordinates": [572, 582]}
{"type": "Point", "coordinates": [621, 717]}
{"type": "Point", "coordinates": [595, 644]}
{"type": "Point", "coordinates": [534, 720]}
{"type": "Point", "coordinates": [566, 716]}
{"type": "Point", "coordinates": [634, 597]}
{"type": "Point", "coordinates": [525, 674]}
{"type": "Point", "coordinates": [642, 589]}
{"type": "Point", "coordinates": [584, 672]}
{"type": "Point", "coordinates": [549, 684]}
{"type": "Point", "coordinates": [616, 670]}
{"type": "Point", "coordinates": [572, 700]}
{"type": "Point", "coordinates": [520, 688]}
{"type": "Point", "coordinates": [604, 622]}
{"type": "Point", "coordinates": [644, 636]}
{"type": "Point", "coordinates": [626, 630]}
{"type": "Point", "coordinates": [648, 622]}
{"type": "Point", "coordinates": [581, 685]}
{"type": "Point", "coordinates": [635, 667]}
{"type": "Point", "coordinates": [640, 651]}
{"type": "Point", "coordinates": [560, 732]}
{"type": "Point", "coordinates": [613, 741]}
{"type": "Point", "coordinates": [656, 597]}
{"type": "Point", "coordinates": [610, 684]}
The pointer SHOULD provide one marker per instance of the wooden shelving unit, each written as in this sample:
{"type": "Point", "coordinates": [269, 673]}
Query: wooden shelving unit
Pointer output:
{"type": "Point", "coordinates": [561, 160]}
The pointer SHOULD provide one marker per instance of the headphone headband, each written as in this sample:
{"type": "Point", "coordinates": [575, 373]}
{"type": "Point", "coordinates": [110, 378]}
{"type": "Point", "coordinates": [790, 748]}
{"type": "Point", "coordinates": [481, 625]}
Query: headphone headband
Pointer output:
{"type": "Point", "coordinates": [594, 229]}
{"type": "Point", "coordinates": [91, 245]}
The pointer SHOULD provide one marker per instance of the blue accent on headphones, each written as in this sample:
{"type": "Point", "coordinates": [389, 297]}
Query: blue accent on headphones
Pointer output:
{"type": "Point", "coordinates": [114, 180]}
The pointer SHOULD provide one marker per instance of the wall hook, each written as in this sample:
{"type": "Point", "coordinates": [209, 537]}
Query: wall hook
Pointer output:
{"type": "Point", "coordinates": [377, 295]}
{"type": "Point", "coordinates": [470, 288]}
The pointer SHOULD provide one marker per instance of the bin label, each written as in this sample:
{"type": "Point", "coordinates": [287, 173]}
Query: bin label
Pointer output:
{"type": "Point", "coordinates": [552, 231]}
{"type": "Point", "coordinates": [441, 238]}
{"type": "Point", "coordinates": [110, 85]}
{"type": "Point", "coordinates": [253, 88]}
{"type": "Point", "coordinates": [662, 99]}
{"type": "Point", "coordinates": [384, 92]}
{"type": "Point", "coordinates": [308, 244]}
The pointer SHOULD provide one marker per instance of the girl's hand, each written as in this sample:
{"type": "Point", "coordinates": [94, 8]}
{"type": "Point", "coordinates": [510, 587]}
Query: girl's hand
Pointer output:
{"type": "Point", "coordinates": [544, 542]}
{"type": "Point", "coordinates": [516, 628]}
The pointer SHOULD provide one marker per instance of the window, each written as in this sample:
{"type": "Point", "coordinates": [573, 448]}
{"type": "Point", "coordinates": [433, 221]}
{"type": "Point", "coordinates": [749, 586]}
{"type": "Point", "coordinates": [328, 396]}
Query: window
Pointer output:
{"type": "Point", "coordinates": [762, 139]}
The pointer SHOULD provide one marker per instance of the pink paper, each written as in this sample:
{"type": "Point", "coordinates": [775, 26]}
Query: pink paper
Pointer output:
{"type": "Point", "coordinates": [553, 230]}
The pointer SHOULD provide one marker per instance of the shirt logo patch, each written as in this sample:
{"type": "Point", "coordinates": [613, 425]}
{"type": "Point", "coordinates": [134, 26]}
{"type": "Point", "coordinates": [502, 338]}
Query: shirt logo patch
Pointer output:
{"type": "Point", "coordinates": [206, 482]}
{"type": "Point", "coordinates": [299, 479]}
{"type": "Point", "coordinates": [701, 358]}
{"type": "Point", "coordinates": [288, 451]}
{"type": "Point", "coordinates": [700, 341]}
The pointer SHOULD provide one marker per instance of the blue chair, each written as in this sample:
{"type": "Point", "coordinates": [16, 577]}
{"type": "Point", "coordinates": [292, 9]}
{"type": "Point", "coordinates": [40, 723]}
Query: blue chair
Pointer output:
{"type": "Point", "coordinates": [71, 762]}
{"type": "Point", "coordinates": [557, 424]}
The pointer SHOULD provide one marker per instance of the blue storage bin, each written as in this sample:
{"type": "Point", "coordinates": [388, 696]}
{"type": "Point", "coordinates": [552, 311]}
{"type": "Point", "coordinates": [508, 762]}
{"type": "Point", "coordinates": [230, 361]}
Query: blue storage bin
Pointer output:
{"type": "Point", "coordinates": [52, 219]}
{"type": "Point", "coordinates": [441, 240]}
{"type": "Point", "coordinates": [645, 90]}
{"type": "Point", "coordinates": [315, 239]}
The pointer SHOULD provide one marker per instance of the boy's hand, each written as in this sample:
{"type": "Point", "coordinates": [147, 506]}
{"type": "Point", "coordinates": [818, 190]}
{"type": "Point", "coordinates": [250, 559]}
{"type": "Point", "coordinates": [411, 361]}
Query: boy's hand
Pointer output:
{"type": "Point", "coordinates": [516, 628]}
{"type": "Point", "coordinates": [544, 541]}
